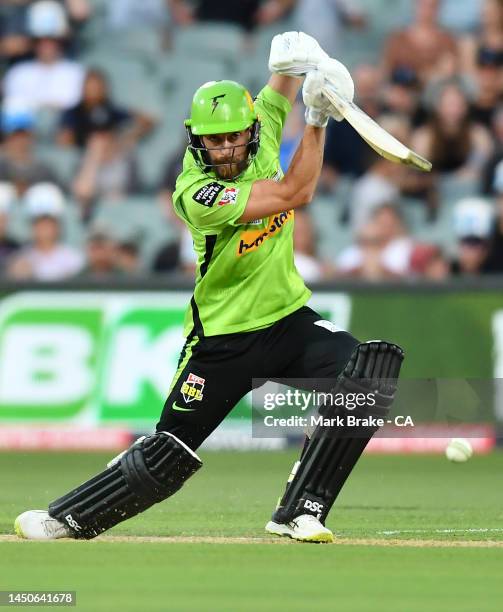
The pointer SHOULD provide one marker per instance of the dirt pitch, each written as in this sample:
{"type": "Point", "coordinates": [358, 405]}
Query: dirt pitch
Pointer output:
{"type": "Point", "coordinates": [411, 543]}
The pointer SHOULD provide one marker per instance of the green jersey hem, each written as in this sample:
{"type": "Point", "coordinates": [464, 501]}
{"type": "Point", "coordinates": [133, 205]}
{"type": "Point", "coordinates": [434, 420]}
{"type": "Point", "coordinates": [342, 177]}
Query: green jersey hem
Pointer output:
{"type": "Point", "coordinates": [257, 323]}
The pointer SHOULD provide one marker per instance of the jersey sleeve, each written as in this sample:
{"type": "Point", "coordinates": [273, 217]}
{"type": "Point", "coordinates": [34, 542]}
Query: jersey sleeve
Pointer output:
{"type": "Point", "coordinates": [210, 205]}
{"type": "Point", "coordinates": [272, 109]}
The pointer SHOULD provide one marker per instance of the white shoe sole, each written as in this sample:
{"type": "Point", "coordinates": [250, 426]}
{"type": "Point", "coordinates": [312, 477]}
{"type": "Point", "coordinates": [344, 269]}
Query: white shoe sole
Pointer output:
{"type": "Point", "coordinates": [281, 530]}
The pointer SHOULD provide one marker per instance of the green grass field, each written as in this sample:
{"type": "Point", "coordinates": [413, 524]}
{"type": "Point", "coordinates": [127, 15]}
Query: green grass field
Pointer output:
{"type": "Point", "coordinates": [415, 533]}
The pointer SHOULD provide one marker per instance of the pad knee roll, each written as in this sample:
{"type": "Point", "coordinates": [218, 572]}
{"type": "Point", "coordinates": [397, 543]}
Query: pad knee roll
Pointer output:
{"type": "Point", "coordinates": [151, 470]}
{"type": "Point", "coordinates": [372, 368]}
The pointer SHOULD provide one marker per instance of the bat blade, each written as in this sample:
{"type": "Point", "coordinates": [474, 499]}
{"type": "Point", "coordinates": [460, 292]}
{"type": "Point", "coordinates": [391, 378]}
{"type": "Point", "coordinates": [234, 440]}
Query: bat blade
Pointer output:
{"type": "Point", "coordinates": [374, 135]}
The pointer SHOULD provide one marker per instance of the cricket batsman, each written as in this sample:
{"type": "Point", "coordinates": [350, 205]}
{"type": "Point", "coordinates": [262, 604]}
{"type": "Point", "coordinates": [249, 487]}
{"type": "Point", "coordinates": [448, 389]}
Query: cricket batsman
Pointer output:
{"type": "Point", "coordinates": [248, 316]}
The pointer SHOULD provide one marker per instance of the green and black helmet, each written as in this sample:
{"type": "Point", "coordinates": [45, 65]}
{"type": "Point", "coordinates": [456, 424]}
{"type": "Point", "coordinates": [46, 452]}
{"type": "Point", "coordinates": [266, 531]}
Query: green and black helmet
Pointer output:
{"type": "Point", "coordinates": [219, 107]}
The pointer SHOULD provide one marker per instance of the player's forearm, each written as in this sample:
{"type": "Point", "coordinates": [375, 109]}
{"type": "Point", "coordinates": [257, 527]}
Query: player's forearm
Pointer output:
{"type": "Point", "coordinates": [287, 86]}
{"type": "Point", "coordinates": [304, 171]}
{"type": "Point", "coordinates": [296, 188]}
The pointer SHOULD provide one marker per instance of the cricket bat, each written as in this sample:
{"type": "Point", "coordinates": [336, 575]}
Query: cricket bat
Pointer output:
{"type": "Point", "coordinates": [375, 136]}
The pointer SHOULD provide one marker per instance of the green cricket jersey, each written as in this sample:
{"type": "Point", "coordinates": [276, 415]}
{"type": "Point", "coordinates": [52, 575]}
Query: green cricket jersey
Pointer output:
{"type": "Point", "coordinates": [246, 277]}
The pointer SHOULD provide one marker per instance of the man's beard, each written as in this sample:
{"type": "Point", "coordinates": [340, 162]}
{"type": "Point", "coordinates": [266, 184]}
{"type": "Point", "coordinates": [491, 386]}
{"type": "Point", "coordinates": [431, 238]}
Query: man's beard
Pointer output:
{"type": "Point", "coordinates": [232, 169]}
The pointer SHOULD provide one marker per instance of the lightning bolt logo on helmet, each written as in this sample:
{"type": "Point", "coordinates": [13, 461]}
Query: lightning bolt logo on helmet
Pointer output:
{"type": "Point", "coordinates": [214, 102]}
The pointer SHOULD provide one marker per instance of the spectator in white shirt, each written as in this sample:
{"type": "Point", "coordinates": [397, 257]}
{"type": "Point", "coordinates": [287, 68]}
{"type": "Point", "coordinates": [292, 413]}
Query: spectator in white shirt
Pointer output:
{"type": "Point", "coordinates": [378, 186]}
{"type": "Point", "coordinates": [49, 80]}
{"type": "Point", "coordinates": [383, 248]}
{"type": "Point", "coordinates": [383, 180]}
{"type": "Point", "coordinates": [308, 265]}
{"type": "Point", "coordinates": [47, 258]}
{"type": "Point", "coordinates": [473, 221]}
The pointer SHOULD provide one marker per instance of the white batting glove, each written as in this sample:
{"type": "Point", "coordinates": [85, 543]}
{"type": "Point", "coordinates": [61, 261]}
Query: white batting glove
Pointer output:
{"type": "Point", "coordinates": [332, 72]}
{"type": "Point", "coordinates": [318, 108]}
{"type": "Point", "coordinates": [338, 76]}
{"type": "Point", "coordinates": [294, 54]}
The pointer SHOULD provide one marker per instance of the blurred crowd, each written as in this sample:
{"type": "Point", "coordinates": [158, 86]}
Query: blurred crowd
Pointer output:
{"type": "Point", "coordinates": [88, 160]}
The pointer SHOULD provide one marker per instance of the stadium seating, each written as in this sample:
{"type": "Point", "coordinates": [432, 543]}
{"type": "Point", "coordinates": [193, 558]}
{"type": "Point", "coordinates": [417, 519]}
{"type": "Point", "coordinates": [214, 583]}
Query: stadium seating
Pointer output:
{"type": "Point", "coordinates": [139, 219]}
{"type": "Point", "coordinates": [159, 80]}
{"type": "Point", "coordinates": [64, 161]}
{"type": "Point", "coordinates": [212, 41]}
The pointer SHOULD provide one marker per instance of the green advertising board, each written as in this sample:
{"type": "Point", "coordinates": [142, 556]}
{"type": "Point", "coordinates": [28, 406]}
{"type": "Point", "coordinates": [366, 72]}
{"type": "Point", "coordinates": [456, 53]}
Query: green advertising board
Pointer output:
{"type": "Point", "coordinates": [97, 358]}
{"type": "Point", "coordinates": [103, 358]}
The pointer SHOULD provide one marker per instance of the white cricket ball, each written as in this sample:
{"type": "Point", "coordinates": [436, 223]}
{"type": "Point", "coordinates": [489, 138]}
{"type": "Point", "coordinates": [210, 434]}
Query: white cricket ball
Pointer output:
{"type": "Point", "coordinates": [459, 450]}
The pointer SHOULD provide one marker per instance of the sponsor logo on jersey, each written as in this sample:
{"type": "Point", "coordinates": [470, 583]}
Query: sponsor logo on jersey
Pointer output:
{"type": "Point", "coordinates": [192, 388]}
{"type": "Point", "coordinates": [208, 194]}
{"type": "Point", "coordinates": [254, 222]}
{"type": "Point", "coordinates": [250, 240]}
{"type": "Point", "coordinates": [229, 196]}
